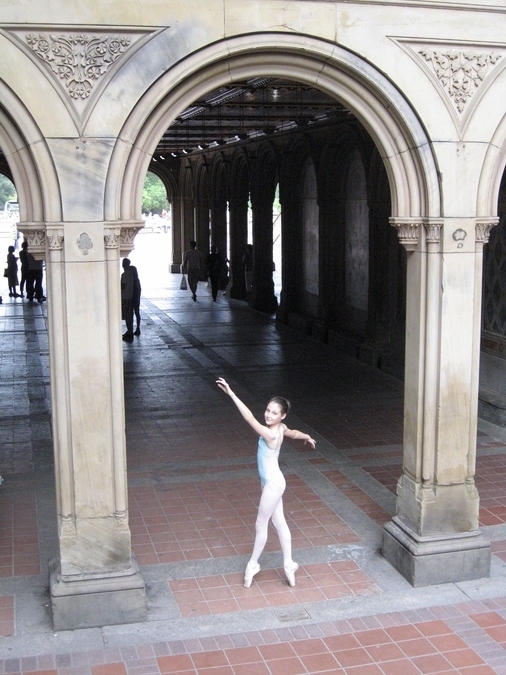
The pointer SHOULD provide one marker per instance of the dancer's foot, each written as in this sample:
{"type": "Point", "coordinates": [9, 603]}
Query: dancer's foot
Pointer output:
{"type": "Point", "coordinates": [251, 570]}
{"type": "Point", "coordinates": [138, 331]}
{"type": "Point", "coordinates": [290, 573]}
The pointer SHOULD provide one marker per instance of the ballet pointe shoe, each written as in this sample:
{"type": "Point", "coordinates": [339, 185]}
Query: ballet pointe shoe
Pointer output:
{"type": "Point", "coordinates": [290, 573]}
{"type": "Point", "coordinates": [251, 570]}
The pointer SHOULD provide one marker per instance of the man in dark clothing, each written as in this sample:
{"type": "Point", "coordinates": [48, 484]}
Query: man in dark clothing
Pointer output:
{"type": "Point", "coordinates": [23, 259]}
{"type": "Point", "coordinates": [192, 266]}
{"type": "Point", "coordinates": [214, 265]}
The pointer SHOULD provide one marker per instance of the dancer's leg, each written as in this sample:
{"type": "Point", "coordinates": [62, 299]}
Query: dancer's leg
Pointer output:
{"type": "Point", "coordinates": [285, 537]}
{"type": "Point", "coordinates": [271, 496]}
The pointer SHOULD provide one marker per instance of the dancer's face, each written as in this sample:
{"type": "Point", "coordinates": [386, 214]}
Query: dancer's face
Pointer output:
{"type": "Point", "coordinates": [273, 414]}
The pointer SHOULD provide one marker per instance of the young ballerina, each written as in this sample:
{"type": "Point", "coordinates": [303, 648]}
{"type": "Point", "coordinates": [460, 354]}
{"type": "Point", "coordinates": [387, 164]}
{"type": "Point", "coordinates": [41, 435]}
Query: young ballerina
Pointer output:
{"type": "Point", "coordinates": [272, 480]}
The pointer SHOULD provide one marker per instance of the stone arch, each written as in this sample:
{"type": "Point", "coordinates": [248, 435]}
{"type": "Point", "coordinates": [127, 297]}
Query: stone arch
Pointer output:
{"type": "Point", "coordinates": [29, 162]}
{"type": "Point", "coordinates": [382, 109]}
{"type": "Point", "coordinates": [492, 173]}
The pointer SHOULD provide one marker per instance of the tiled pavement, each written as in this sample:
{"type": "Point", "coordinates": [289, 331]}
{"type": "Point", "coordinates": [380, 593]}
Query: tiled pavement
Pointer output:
{"type": "Point", "coordinates": [193, 496]}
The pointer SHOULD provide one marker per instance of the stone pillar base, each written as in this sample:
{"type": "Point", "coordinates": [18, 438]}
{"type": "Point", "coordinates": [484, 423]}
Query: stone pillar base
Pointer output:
{"type": "Point", "coordinates": [426, 561]}
{"type": "Point", "coordinates": [89, 601]}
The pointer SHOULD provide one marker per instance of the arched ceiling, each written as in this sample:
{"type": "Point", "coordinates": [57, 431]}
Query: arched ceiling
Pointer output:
{"type": "Point", "coordinates": [248, 110]}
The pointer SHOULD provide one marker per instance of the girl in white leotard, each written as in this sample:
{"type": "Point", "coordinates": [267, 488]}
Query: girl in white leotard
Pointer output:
{"type": "Point", "coordinates": [272, 480]}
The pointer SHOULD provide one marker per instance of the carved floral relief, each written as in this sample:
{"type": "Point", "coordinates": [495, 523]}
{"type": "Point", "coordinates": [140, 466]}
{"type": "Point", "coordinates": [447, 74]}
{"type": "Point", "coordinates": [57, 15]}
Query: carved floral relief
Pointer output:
{"type": "Point", "coordinates": [460, 72]}
{"type": "Point", "coordinates": [79, 60]}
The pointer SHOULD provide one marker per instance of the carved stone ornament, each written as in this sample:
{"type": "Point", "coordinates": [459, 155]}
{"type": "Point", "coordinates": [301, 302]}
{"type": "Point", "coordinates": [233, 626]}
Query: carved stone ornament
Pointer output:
{"type": "Point", "coordinates": [67, 527]}
{"type": "Point", "coordinates": [408, 231]}
{"type": "Point", "coordinates": [84, 243]}
{"type": "Point", "coordinates": [36, 242]}
{"type": "Point", "coordinates": [433, 231]}
{"type": "Point", "coordinates": [79, 60]}
{"type": "Point", "coordinates": [460, 72]}
{"type": "Point", "coordinates": [121, 520]}
{"type": "Point", "coordinates": [129, 231]}
{"type": "Point", "coordinates": [112, 236]}
{"type": "Point", "coordinates": [484, 227]}
{"type": "Point", "coordinates": [55, 238]}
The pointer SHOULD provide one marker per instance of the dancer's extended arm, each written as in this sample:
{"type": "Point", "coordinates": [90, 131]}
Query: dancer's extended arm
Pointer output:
{"type": "Point", "coordinates": [300, 436]}
{"type": "Point", "coordinates": [260, 429]}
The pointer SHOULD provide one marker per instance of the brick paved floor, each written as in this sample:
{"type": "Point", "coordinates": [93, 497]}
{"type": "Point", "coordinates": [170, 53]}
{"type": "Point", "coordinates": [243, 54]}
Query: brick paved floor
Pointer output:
{"type": "Point", "coordinates": [193, 492]}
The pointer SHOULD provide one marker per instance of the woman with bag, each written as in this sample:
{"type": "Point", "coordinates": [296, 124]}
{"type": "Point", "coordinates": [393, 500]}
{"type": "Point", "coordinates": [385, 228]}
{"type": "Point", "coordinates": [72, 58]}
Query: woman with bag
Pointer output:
{"type": "Point", "coordinates": [12, 273]}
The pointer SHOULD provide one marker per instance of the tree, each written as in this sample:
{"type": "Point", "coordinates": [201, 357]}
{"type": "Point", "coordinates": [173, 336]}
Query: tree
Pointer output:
{"type": "Point", "coordinates": [154, 195]}
{"type": "Point", "coordinates": [7, 191]}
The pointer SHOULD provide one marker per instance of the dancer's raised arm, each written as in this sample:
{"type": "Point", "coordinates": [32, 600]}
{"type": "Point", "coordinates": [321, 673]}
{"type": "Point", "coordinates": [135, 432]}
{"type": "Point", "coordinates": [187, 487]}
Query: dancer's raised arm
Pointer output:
{"type": "Point", "coordinates": [248, 416]}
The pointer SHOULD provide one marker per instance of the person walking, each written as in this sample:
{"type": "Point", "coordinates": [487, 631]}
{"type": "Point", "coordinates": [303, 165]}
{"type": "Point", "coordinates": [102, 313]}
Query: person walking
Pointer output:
{"type": "Point", "coordinates": [34, 279]}
{"type": "Point", "coordinates": [136, 300]}
{"type": "Point", "coordinates": [272, 480]}
{"type": "Point", "coordinates": [247, 261]}
{"type": "Point", "coordinates": [193, 266]}
{"type": "Point", "coordinates": [127, 295]}
{"type": "Point", "coordinates": [214, 267]}
{"type": "Point", "coordinates": [12, 273]}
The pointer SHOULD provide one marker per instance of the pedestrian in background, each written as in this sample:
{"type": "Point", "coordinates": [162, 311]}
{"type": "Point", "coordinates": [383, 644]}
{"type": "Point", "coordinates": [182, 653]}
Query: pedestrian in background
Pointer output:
{"type": "Point", "coordinates": [193, 266]}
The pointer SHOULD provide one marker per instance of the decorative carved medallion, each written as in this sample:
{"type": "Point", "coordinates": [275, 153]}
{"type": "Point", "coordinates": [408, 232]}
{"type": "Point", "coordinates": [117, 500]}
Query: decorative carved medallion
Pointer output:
{"type": "Point", "coordinates": [79, 59]}
{"type": "Point", "coordinates": [460, 72]}
{"type": "Point", "coordinates": [84, 243]}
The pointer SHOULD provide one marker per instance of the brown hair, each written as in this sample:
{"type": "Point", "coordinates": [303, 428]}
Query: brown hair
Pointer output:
{"type": "Point", "coordinates": [283, 403]}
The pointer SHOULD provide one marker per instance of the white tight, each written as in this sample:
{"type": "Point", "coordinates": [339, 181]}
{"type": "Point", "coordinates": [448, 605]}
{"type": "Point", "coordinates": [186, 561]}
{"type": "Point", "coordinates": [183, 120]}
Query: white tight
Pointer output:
{"type": "Point", "coordinates": [271, 506]}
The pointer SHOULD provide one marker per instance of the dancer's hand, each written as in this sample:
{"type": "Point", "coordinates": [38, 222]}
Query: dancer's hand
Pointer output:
{"type": "Point", "coordinates": [222, 384]}
{"type": "Point", "coordinates": [311, 442]}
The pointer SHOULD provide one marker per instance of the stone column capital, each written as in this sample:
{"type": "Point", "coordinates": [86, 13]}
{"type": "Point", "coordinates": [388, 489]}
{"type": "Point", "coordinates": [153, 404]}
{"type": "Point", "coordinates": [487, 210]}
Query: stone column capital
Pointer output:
{"type": "Point", "coordinates": [408, 231]}
{"type": "Point", "coordinates": [484, 227]}
{"type": "Point", "coordinates": [35, 234]}
{"type": "Point", "coordinates": [112, 236]}
{"type": "Point", "coordinates": [433, 229]}
{"type": "Point", "coordinates": [55, 236]}
{"type": "Point", "coordinates": [129, 230]}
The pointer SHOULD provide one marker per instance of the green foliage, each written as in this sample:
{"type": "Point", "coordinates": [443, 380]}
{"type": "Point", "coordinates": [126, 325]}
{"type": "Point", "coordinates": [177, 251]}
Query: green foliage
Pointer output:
{"type": "Point", "coordinates": [7, 191]}
{"type": "Point", "coordinates": [154, 195]}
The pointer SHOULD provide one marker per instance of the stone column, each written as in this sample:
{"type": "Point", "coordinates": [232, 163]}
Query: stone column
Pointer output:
{"type": "Point", "coordinates": [177, 236]}
{"type": "Point", "coordinates": [94, 581]}
{"type": "Point", "coordinates": [262, 197]}
{"type": "Point", "coordinates": [434, 537]}
{"type": "Point", "coordinates": [238, 239]}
